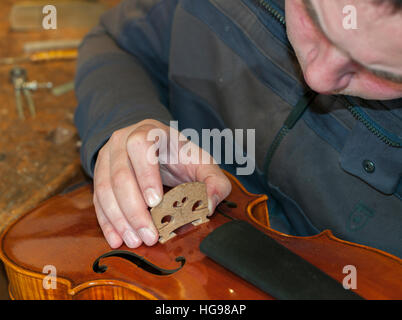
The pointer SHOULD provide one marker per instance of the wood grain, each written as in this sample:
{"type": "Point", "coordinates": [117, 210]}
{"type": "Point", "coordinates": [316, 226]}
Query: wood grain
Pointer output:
{"type": "Point", "coordinates": [36, 161]}
{"type": "Point", "coordinates": [56, 232]}
{"type": "Point", "coordinates": [38, 156]}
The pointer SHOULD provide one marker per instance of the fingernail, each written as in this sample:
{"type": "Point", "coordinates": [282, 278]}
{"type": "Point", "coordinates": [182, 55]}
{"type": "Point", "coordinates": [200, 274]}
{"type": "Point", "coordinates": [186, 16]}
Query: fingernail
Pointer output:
{"type": "Point", "coordinates": [212, 204]}
{"type": "Point", "coordinates": [147, 235]}
{"type": "Point", "coordinates": [114, 240]}
{"type": "Point", "coordinates": [151, 197]}
{"type": "Point", "coordinates": [131, 239]}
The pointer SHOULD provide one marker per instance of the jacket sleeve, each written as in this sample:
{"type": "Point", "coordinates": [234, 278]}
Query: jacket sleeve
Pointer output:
{"type": "Point", "coordinates": [122, 73]}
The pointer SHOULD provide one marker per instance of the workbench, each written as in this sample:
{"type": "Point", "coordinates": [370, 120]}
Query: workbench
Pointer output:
{"type": "Point", "coordinates": [39, 156]}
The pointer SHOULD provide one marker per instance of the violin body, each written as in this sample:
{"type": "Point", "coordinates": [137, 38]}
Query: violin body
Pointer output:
{"type": "Point", "coordinates": [62, 236]}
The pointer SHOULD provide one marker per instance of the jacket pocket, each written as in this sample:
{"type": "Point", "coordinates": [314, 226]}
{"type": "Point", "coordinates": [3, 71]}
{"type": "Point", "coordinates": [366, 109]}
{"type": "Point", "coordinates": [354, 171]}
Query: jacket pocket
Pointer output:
{"type": "Point", "coordinates": [367, 157]}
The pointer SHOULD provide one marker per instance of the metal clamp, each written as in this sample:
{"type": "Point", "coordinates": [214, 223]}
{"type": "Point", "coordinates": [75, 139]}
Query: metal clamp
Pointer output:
{"type": "Point", "coordinates": [18, 77]}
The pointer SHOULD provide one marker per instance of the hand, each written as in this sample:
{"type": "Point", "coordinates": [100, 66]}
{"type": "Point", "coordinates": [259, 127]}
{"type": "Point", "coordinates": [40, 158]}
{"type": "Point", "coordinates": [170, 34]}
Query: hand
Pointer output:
{"type": "Point", "coordinates": [128, 179]}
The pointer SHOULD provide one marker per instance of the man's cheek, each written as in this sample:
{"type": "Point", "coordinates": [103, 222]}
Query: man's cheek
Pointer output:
{"type": "Point", "coordinates": [299, 21]}
{"type": "Point", "coordinates": [386, 87]}
{"type": "Point", "coordinates": [303, 35]}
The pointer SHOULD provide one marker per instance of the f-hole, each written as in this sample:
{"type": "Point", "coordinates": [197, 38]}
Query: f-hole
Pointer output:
{"type": "Point", "coordinates": [139, 261]}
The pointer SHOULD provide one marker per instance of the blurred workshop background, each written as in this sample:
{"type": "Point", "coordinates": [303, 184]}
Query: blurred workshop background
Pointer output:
{"type": "Point", "coordinates": [39, 145]}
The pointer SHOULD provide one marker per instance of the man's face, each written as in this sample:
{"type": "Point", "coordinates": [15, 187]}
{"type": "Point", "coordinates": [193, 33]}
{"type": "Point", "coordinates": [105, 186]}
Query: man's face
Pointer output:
{"type": "Point", "coordinates": [364, 62]}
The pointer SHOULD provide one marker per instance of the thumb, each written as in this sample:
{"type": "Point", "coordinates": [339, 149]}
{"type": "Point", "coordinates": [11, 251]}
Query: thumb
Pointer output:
{"type": "Point", "coordinates": [217, 184]}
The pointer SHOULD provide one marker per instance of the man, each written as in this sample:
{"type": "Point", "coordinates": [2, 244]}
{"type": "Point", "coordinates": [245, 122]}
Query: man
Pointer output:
{"type": "Point", "coordinates": [320, 81]}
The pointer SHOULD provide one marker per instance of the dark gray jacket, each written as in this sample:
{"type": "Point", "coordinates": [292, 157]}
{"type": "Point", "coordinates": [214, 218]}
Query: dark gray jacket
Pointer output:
{"type": "Point", "coordinates": [228, 64]}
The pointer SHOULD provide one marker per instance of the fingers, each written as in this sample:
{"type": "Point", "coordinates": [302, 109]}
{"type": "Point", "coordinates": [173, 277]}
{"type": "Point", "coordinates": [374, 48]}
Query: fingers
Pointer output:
{"type": "Point", "coordinates": [125, 183]}
{"type": "Point", "coordinates": [142, 154]}
{"type": "Point", "coordinates": [111, 218]}
{"type": "Point", "coordinates": [217, 184]}
{"type": "Point", "coordinates": [110, 234]}
{"type": "Point", "coordinates": [127, 180]}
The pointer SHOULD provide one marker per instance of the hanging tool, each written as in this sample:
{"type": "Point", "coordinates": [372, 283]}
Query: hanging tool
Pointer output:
{"type": "Point", "coordinates": [18, 77]}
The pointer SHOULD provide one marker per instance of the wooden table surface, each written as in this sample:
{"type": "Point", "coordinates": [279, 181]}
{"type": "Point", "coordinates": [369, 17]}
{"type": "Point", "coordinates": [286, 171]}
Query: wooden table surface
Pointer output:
{"type": "Point", "coordinates": [38, 156]}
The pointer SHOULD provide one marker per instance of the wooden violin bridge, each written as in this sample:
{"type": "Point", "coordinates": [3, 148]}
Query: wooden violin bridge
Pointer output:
{"type": "Point", "coordinates": [186, 203]}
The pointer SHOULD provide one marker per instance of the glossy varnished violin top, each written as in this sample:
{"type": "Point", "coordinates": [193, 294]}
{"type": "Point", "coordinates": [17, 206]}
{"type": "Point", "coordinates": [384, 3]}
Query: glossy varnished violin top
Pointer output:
{"type": "Point", "coordinates": [63, 233]}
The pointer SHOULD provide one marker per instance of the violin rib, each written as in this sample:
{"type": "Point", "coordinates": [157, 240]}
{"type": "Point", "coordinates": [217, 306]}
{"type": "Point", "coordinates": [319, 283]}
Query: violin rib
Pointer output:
{"type": "Point", "coordinates": [63, 235]}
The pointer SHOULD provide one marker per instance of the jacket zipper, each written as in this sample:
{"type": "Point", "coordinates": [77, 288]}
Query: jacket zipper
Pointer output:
{"type": "Point", "coordinates": [271, 10]}
{"type": "Point", "coordinates": [288, 125]}
{"type": "Point", "coordinates": [353, 110]}
{"type": "Point", "coordinates": [361, 117]}
{"type": "Point", "coordinates": [301, 106]}
{"type": "Point", "coordinates": [285, 128]}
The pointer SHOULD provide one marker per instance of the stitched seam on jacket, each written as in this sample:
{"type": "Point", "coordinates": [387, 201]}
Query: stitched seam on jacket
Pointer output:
{"type": "Point", "coordinates": [262, 80]}
{"type": "Point", "coordinates": [262, 27]}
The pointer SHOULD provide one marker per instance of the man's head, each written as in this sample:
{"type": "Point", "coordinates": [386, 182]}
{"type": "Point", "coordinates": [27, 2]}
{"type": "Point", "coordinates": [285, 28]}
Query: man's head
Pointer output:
{"type": "Point", "coordinates": [364, 62]}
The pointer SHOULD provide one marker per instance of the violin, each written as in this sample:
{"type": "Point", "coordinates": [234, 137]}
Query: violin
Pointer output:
{"type": "Point", "coordinates": [57, 251]}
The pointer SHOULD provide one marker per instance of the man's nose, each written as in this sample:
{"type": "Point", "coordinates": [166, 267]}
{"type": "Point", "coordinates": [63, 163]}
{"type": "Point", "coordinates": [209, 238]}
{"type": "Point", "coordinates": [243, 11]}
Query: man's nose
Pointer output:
{"type": "Point", "coordinates": [329, 70]}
